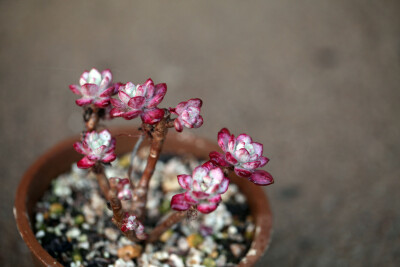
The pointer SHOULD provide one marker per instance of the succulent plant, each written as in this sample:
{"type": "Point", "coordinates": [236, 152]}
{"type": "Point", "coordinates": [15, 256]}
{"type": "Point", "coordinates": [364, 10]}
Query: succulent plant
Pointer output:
{"type": "Point", "coordinates": [97, 147]}
{"type": "Point", "coordinates": [131, 223]}
{"type": "Point", "coordinates": [188, 114]}
{"type": "Point", "coordinates": [94, 87]}
{"type": "Point", "coordinates": [123, 187]}
{"type": "Point", "coordinates": [244, 155]}
{"type": "Point", "coordinates": [203, 189]}
{"type": "Point", "coordinates": [141, 99]}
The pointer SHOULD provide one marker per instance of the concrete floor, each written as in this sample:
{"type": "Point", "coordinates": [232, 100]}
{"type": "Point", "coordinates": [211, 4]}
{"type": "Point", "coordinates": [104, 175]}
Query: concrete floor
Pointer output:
{"type": "Point", "coordinates": [316, 81]}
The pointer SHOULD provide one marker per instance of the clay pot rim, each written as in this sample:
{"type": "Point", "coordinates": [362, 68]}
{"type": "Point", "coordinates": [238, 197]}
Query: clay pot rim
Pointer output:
{"type": "Point", "coordinates": [258, 205]}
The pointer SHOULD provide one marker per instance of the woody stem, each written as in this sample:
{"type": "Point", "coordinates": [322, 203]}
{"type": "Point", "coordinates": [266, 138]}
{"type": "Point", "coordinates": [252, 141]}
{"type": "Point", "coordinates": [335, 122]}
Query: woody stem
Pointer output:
{"type": "Point", "coordinates": [172, 219]}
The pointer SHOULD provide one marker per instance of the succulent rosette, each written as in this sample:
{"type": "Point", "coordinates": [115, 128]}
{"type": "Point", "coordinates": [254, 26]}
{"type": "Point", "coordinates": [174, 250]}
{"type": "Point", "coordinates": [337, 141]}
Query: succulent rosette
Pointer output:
{"type": "Point", "coordinates": [203, 189]}
{"type": "Point", "coordinates": [97, 147]}
{"type": "Point", "coordinates": [141, 99]}
{"type": "Point", "coordinates": [131, 223]}
{"type": "Point", "coordinates": [244, 155]}
{"type": "Point", "coordinates": [188, 114]}
{"type": "Point", "coordinates": [123, 188]}
{"type": "Point", "coordinates": [94, 87]}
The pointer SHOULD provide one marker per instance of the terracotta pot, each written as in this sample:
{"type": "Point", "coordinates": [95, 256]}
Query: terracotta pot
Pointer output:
{"type": "Point", "coordinates": [59, 159]}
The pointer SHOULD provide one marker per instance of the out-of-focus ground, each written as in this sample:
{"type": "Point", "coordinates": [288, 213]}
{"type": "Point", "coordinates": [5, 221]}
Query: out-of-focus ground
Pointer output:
{"type": "Point", "coordinates": [317, 82]}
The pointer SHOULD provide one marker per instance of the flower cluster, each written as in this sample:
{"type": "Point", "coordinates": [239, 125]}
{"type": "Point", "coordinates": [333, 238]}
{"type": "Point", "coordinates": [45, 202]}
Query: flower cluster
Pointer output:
{"type": "Point", "coordinates": [131, 223]}
{"type": "Point", "coordinates": [123, 188]}
{"type": "Point", "coordinates": [97, 147]}
{"type": "Point", "coordinates": [244, 155]}
{"type": "Point", "coordinates": [142, 100]}
{"type": "Point", "coordinates": [188, 114]}
{"type": "Point", "coordinates": [95, 88]}
{"type": "Point", "coordinates": [203, 189]}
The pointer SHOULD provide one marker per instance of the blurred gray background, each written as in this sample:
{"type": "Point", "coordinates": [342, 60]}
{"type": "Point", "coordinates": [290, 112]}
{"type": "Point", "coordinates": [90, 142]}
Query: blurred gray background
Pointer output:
{"type": "Point", "coordinates": [317, 82]}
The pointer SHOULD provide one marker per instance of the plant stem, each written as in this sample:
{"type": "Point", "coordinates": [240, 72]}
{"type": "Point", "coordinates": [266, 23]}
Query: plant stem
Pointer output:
{"type": "Point", "coordinates": [172, 219]}
{"type": "Point", "coordinates": [118, 212]}
{"type": "Point", "coordinates": [102, 180]}
{"type": "Point", "coordinates": [133, 155]}
{"type": "Point", "coordinates": [91, 123]}
{"type": "Point", "coordinates": [157, 140]}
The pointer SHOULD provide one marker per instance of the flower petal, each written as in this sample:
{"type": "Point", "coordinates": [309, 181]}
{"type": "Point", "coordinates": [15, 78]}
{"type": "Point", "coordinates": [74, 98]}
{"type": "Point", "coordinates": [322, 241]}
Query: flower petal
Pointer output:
{"type": "Point", "coordinates": [242, 172]}
{"type": "Point", "coordinates": [244, 138]}
{"type": "Point", "coordinates": [178, 202]}
{"type": "Point", "coordinates": [89, 90]}
{"type": "Point", "coordinates": [195, 102]}
{"type": "Point", "coordinates": [258, 148]}
{"type": "Point", "coordinates": [152, 116]}
{"type": "Point", "coordinates": [251, 165]}
{"type": "Point", "coordinates": [108, 92]}
{"type": "Point", "coordinates": [190, 199]}
{"type": "Point", "coordinates": [117, 103]}
{"type": "Point", "coordinates": [79, 148]}
{"type": "Point", "coordinates": [84, 78]}
{"type": "Point", "coordinates": [223, 186]}
{"type": "Point", "coordinates": [76, 89]}
{"type": "Point", "coordinates": [124, 97]}
{"type": "Point", "coordinates": [178, 125]}
{"type": "Point", "coordinates": [102, 103]}
{"type": "Point", "coordinates": [185, 181]}
{"type": "Point", "coordinates": [223, 139]}
{"type": "Point", "coordinates": [94, 76]}
{"type": "Point", "coordinates": [131, 114]}
{"type": "Point", "coordinates": [230, 158]}
{"type": "Point", "coordinates": [106, 74]}
{"type": "Point", "coordinates": [160, 90]}
{"type": "Point", "coordinates": [85, 163]}
{"type": "Point", "coordinates": [218, 159]}
{"type": "Point", "coordinates": [261, 177]}
{"type": "Point", "coordinates": [116, 112]}
{"type": "Point", "coordinates": [263, 160]}
{"type": "Point", "coordinates": [216, 199]}
{"type": "Point", "coordinates": [206, 208]}
{"type": "Point", "coordinates": [109, 157]}
{"type": "Point", "coordinates": [242, 155]}
{"type": "Point", "coordinates": [83, 101]}
{"type": "Point", "coordinates": [136, 102]}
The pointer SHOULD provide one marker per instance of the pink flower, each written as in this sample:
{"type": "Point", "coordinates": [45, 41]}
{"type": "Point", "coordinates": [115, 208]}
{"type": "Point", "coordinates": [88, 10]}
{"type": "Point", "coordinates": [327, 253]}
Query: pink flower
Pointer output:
{"type": "Point", "coordinates": [244, 155]}
{"type": "Point", "coordinates": [94, 87]}
{"type": "Point", "coordinates": [203, 189]}
{"type": "Point", "coordinates": [140, 100]}
{"type": "Point", "coordinates": [131, 223]}
{"type": "Point", "coordinates": [188, 114]}
{"type": "Point", "coordinates": [123, 187]}
{"type": "Point", "coordinates": [97, 147]}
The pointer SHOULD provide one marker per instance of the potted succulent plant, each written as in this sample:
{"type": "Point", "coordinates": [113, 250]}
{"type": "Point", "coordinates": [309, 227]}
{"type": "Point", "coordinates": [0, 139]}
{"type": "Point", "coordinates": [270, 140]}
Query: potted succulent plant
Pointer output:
{"type": "Point", "coordinates": [125, 196]}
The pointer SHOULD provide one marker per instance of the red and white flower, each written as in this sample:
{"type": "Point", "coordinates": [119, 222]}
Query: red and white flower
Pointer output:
{"type": "Point", "coordinates": [244, 155]}
{"type": "Point", "coordinates": [140, 100]}
{"type": "Point", "coordinates": [203, 189]}
{"type": "Point", "coordinates": [94, 87]}
{"type": "Point", "coordinates": [123, 187]}
{"type": "Point", "coordinates": [131, 223]}
{"type": "Point", "coordinates": [188, 114]}
{"type": "Point", "coordinates": [97, 147]}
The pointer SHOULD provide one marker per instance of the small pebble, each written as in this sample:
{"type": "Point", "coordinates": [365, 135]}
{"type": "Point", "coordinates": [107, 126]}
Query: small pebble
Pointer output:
{"type": "Point", "coordinates": [130, 252]}
{"type": "Point", "coordinates": [237, 249]}
{"type": "Point", "coordinates": [56, 209]}
{"type": "Point", "coordinates": [208, 262]}
{"type": "Point", "coordinates": [176, 261]}
{"type": "Point", "coordinates": [111, 233]}
{"type": "Point", "coordinates": [123, 263]}
{"type": "Point", "coordinates": [194, 240]}
{"type": "Point", "coordinates": [166, 235]}
{"type": "Point", "coordinates": [73, 233]}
